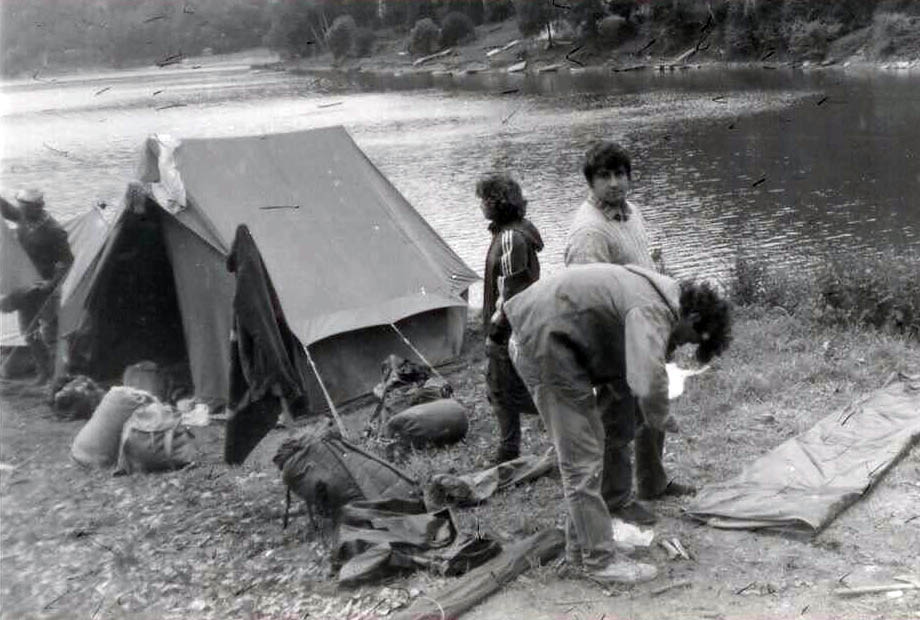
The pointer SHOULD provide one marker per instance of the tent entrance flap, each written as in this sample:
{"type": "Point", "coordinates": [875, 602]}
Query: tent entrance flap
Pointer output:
{"type": "Point", "coordinates": [134, 308]}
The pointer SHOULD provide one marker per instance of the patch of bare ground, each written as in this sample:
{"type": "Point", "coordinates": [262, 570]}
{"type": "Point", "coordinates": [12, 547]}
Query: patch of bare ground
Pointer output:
{"type": "Point", "coordinates": [208, 542]}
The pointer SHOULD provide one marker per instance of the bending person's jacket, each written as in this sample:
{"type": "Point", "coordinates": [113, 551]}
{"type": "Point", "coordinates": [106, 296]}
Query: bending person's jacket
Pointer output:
{"type": "Point", "coordinates": [617, 320]}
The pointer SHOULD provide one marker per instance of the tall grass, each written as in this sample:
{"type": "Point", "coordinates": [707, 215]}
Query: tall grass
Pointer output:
{"type": "Point", "coordinates": [879, 292]}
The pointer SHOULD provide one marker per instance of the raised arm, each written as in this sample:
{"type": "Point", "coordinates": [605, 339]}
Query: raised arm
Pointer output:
{"type": "Point", "coordinates": [9, 211]}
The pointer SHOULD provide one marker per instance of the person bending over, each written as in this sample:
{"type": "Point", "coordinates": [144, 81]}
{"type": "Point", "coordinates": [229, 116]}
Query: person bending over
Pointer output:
{"type": "Point", "coordinates": [579, 329]}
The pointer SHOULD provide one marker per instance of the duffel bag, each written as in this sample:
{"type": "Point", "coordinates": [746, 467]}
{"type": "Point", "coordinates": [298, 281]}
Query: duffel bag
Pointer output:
{"type": "Point", "coordinates": [438, 423]}
{"type": "Point", "coordinates": [97, 442]}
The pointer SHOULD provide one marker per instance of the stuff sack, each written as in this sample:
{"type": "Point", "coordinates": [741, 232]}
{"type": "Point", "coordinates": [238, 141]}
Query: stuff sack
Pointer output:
{"type": "Point", "coordinates": [97, 442]}
{"type": "Point", "coordinates": [154, 439]}
{"type": "Point", "coordinates": [328, 472]}
{"type": "Point", "coordinates": [438, 423]}
{"type": "Point", "coordinates": [75, 398]}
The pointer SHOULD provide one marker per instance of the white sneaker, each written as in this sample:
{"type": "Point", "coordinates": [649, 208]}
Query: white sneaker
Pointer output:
{"type": "Point", "coordinates": [625, 572]}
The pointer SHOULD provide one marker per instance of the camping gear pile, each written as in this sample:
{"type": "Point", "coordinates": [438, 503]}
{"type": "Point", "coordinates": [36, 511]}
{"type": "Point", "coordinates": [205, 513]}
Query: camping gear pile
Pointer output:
{"type": "Point", "coordinates": [382, 524]}
{"type": "Point", "coordinates": [134, 432]}
{"type": "Point", "coordinates": [415, 407]}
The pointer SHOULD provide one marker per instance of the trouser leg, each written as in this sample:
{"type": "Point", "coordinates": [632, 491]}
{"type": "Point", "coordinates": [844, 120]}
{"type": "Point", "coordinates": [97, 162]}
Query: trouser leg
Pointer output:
{"type": "Point", "coordinates": [503, 384]}
{"type": "Point", "coordinates": [31, 330]}
{"type": "Point", "coordinates": [616, 406]}
{"type": "Point", "coordinates": [509, 429]}
{"type": "Point", "coordinates": [651, 478]}
{"type": "Point", "coordinates": [565, 400]}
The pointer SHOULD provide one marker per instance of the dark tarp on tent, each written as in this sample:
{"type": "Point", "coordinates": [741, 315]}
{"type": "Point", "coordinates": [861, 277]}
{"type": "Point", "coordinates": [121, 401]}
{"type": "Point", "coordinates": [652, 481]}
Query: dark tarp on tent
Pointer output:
{"type": "Point", "coordinates": [346, 254]}
{"type": "Point", "coordinates": [806, 481]}
{"type": "Point", "coordinates": [266, 362]}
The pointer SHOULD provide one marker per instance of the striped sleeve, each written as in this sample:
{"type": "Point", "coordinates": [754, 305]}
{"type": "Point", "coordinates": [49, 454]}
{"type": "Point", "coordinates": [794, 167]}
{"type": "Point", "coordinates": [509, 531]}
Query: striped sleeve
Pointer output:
{"type": "Point", "coordinates": [513, 263]}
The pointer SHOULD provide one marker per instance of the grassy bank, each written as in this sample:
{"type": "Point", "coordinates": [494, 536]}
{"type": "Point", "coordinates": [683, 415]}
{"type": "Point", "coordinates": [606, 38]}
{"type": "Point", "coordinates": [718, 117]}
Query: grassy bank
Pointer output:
{"type": "Point", "coordinates": [208, 542]}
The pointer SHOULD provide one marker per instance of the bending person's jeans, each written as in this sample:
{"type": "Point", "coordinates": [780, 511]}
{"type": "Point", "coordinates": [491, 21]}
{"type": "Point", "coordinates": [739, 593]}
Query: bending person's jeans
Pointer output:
{"type": "Point", "coordinates": [564, 397]}
{"type": "Point", "coordinates": [623, 421]}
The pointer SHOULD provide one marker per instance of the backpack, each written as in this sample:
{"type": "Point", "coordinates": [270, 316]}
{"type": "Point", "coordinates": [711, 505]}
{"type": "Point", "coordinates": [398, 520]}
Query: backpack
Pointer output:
{"type": "Point", "coordinates": [154, 439]}
{"type": "Point", "coordinates": [328, 472]}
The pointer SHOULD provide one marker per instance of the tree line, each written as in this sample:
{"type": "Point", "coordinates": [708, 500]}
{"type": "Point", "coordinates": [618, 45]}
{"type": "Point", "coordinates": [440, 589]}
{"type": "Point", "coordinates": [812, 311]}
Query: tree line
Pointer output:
{"type": "Point", "coordinates": [38, 34]}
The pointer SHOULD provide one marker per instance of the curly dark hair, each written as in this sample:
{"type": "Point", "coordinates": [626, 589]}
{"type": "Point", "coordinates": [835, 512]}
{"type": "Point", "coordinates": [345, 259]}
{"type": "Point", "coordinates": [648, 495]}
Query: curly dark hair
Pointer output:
{"type": "Point", "coordinates": [714, 323]}
{"type": "Point", "coordinates": [503, 195]}
{"type": "Point", "coordinates": [606, 155]}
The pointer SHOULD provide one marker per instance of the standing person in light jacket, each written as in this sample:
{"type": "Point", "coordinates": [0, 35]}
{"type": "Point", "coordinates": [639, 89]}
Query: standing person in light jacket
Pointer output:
{"type": "Point", "coordinates": [607, 228]}
{"type": "Point", "coordinates": [511, 266]}
{"type": "Point", "coordinates": [581, 328]}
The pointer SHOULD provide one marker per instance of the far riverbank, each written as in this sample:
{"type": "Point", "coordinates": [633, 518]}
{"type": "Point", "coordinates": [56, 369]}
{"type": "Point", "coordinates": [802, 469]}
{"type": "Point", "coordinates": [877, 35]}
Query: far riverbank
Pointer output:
{"type": "Point", "coordinates": [500, 48]}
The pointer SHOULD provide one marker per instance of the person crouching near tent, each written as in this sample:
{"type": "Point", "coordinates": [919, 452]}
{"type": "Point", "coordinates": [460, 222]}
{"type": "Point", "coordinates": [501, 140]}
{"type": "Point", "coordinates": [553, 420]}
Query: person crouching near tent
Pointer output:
{"type": "Point", "coordinates": [45, 243]}
{"type": "Point", "coordinates": [581, 328]}
{"type": "Point", "coordinates": [511, 266]}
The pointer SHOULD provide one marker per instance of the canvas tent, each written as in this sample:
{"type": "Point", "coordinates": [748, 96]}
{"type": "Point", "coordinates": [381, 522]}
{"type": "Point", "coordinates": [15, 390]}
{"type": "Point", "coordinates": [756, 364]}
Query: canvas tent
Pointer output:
{"type": "Point", "coordinates": [354, 266]}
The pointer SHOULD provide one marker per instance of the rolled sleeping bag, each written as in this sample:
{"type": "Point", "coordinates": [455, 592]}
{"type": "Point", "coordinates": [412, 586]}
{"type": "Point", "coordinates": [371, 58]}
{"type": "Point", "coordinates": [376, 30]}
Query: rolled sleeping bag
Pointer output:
{"type": "Point", "coordinates": [439, 422]}
{"type": "Point", "coordinates": [98, 441]}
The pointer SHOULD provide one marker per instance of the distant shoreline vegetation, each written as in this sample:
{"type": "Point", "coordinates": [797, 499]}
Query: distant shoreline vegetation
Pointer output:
{"type": "Point", "coordinates": [38, 36]}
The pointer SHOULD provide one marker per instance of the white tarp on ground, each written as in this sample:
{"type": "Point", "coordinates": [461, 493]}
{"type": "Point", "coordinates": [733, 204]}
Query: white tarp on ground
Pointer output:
{"type": "Point", "coordinates": [806, 481]}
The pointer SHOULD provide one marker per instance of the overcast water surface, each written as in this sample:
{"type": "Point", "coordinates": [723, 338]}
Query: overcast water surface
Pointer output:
{"type": "Point", "coordinates": [786, 164]}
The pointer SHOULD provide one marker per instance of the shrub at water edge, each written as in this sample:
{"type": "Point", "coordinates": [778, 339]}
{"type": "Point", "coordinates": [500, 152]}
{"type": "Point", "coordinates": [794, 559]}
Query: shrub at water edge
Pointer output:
{"type": "Point", "coordinates": [456, 28]}
{"type": "Point", "coordinates": [340, 35]}
{"type": "Point", "coordinates": [424, 37]}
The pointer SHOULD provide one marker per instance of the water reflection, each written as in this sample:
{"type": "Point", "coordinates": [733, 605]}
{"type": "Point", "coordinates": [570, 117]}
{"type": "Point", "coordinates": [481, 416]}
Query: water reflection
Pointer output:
{"type": "Point", "coordinates": [776, 163]}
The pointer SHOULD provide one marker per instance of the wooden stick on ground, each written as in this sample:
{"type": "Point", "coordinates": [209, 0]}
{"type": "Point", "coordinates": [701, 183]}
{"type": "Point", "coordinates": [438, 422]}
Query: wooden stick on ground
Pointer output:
{"type": "Point", "coordinates": [680, 549]}
{"type": "Point", "coordinates": [668, 546]}
{"type": "Point", "coordinates": [482, 582]}
{"type": "Point", "coordinates": [889, 587]}
{"type": "Point", "coordinates": [671, 586]}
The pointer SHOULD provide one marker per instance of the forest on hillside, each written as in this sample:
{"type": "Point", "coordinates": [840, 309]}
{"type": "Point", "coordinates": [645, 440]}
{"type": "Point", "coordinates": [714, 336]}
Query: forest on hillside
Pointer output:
{"type": "Point", "coordinates": [57, 35]}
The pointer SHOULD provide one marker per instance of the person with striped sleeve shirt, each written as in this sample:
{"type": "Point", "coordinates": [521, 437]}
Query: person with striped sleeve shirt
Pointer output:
{"type": "Point", "coordinates": [511, 266]}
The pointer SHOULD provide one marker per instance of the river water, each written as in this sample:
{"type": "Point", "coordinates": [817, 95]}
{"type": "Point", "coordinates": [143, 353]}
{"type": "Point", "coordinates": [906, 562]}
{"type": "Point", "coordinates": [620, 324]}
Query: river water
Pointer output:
{"type": "Point", "coordinates": [784, 164]}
